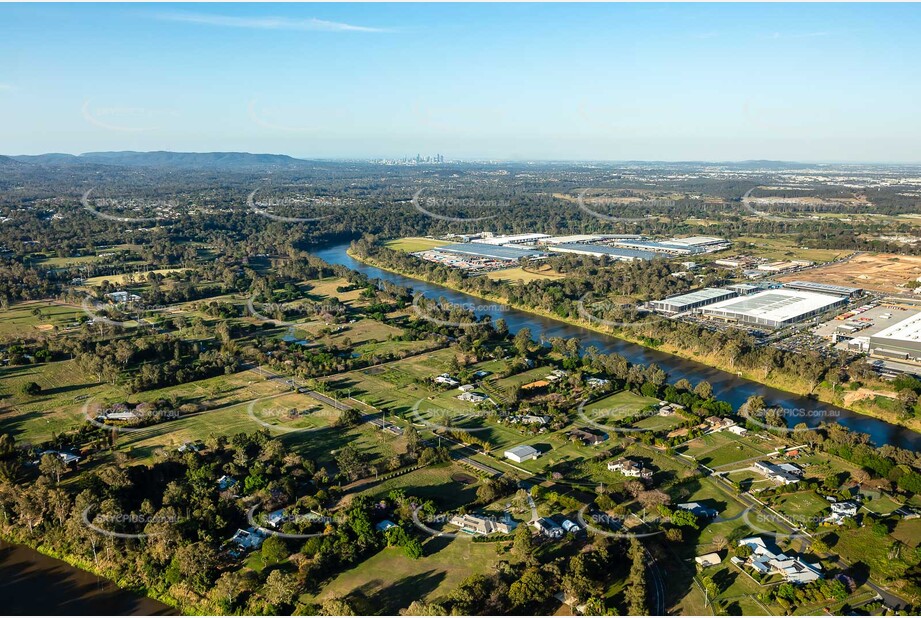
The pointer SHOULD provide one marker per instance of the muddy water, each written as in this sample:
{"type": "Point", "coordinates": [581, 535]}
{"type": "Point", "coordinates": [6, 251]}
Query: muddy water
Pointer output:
{"type": "Point", "coordinates": [33, 584]}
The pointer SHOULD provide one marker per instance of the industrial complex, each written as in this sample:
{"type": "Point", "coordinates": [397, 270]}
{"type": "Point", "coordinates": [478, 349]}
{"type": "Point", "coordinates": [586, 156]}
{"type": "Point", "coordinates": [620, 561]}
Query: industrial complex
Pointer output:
{"type": "Point", "coordinates": [774, 308]}
{"type": "Point", "coordinates": [901, 341]}
{"type": "Point", "coordinates": [485, 251]}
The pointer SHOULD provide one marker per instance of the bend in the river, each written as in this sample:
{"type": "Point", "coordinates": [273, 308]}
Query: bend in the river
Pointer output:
{"type": "Point", "coordinates": [726, 386]}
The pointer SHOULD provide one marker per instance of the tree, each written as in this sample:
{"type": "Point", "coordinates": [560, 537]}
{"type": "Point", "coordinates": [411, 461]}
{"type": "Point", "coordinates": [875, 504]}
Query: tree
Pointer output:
{"type": "Point", "coordinates": [196, 564]}
{"type": "Point", "coordinates": [52, 465]}
{"type": "Point", "coordinates": [229, 586]}
{"type": "Point", "coordinates": [336, 607]}
{"type": "Point", "coordinates": [31, 389]}
{"type": "Point", "coordinates": [274, 550]}
{"type": "Point", "coordinates": [703, 390]}
{"type": "Point", "coordinates": [523, 545]}
{"type": "Point", "coordinates": [530, 588]}
{"type": "Point", "coordinates": [280, 588]}
{"type": "Point", "coordinates": [522, 341]}
{"type": "Point", "coordinates": [636, 587]}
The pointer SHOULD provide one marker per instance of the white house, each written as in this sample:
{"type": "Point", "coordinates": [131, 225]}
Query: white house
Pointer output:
{"type": "Point", "coordinates": [522, 453]}
{"type": "Point", "coordinates": [472, 524]}
{"type": "Point", "coordinates": [548, 528]}
{"type": "Point", "coordinates": [597, 382]}
{"type": "Point", "coordinates": [769, 559]}
{"type": "Point", "coordinates": [445, 379]}
{"type": "Point", "coordinates": [631, 468]}
{"type": "Point", "coordinates": [472, 397]}
{"type": "Point", "coordinates": [841, 510]}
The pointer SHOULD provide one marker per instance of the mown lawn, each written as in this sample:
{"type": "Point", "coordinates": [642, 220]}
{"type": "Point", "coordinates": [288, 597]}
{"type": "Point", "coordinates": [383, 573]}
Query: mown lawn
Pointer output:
{"type": "Point", "coordinates": [388, 581]}
{"type": "Point", "coordinates": [412, 244]}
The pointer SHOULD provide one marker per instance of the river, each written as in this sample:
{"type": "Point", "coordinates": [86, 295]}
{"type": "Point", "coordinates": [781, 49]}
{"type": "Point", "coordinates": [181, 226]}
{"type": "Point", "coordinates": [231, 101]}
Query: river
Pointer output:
{"type": "Point", "coordinates": [33, 584]}
{"type": "Point", "coordinates": [726, 386]}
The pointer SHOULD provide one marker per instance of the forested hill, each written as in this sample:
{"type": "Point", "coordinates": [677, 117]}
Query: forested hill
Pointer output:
{"type": "Point", "coordinates": [202, 160]}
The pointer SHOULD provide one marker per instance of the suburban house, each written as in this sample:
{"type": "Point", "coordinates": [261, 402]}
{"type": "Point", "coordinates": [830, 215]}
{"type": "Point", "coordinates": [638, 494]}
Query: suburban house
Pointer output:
{"type": "Point", "coordinates": [587, 437]}
{"type": "Point", "coordinates": [67, 458]}
{"type": "Point", "coordinates": [737, 430]}
{"type": "Point", "coordinates": [472, 524]}
{"type": "Point", "coordinates": [522, 453]}
{"type": "Point", "coordinates": [767, 558]}
{"type": "Point", "coordinates": [556, 375]}
{"type": "Point", "coordinates": [548, 528]}
{"type": "Point", "coordinates": [718, 424]}
{"type": "Point", "coordinates": [384, 525]}
{"type": "Point", "coordinates": [120, 298]}
{"type": "Point", "coordinates": [466, 388]}
{"type": "Point", "coordinates": [445, 379]}
{"type": "Point", "coordinates": [472, 397]}
{"type": "Point", "coordinates": [533, 419]}
{"type": "Point", "coordinates": [841, 510]}
{"type": "Point", "coordinates": [225, 482]}
{"type": "Point", "coordinates": [276, 518]}
{"type": "Point", "coordinates": [784, 473]}
{"type": "Point", "coordinates": [698, 509]}
{"type": "Point", "coordinates": [597, 382]}
{"type": "Point", "coordinates": [668, 409]}
{"type": "Point", "coordinates": [631, 468]}
{"type": "Point", "coordinates": [247, 539]}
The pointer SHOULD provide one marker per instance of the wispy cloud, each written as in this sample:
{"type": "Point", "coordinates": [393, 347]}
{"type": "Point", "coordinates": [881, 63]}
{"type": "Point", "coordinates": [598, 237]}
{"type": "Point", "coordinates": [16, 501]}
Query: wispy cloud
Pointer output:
{"type": "Point", "coordinates": [7, 87]}
{"type": "Point", "coordinates": [795, 35]}
{"type": "Point", "coordinates": [264, 23]}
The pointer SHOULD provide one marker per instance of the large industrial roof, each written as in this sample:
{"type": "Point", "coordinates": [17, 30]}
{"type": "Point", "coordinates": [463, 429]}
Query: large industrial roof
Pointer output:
{"type": "Point", "coordinates": [908, 329]}
{"type": "Point", "coordinates": [605, 250]}
{"type": "Point", "coordinates": [776, 305]}
{"type": "Point", "coordinates": [822, 287]}
{"type": "Point", "coordinates": [490, 251]}
{"type": "Point", "coordinates": [697, 296]}
{"type": "Point", "coordinates": [516, 238]}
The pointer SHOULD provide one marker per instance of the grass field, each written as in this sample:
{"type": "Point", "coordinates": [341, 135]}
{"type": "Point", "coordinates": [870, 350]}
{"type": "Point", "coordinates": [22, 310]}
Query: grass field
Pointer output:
{"type": "Point", "coordinates": [19, 319]}
{"type": "Point", "coordinates": [432, 482]}
{"type": "Point", "coordinates": [412, 244]}
{"type": "Point", "coordinates": [137, 277]}
{"type": "Point", "coordinates": [782, 248]}
{"type": "Point", "coordinates": [612, 409]}
{"type": "Point", "coordinates": [723, 448]}
{"type": "Point", "coordinates": [389, 581]}
{"type": "Point", "coordinates": [515, 275]}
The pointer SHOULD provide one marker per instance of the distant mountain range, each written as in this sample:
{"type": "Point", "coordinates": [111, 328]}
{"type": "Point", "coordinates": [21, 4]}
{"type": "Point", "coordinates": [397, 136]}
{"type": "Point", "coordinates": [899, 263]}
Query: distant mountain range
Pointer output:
{"type": "Point", "coordinates": [200, 160]}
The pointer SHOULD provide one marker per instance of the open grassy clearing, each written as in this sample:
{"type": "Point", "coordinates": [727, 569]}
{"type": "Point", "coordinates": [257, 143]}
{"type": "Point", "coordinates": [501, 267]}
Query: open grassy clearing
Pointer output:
{"type": "Point", "coordinates": [519, 274]}
{"type": "Point", "coordinates": [389, 581]}
{"type": "Point", "coordinates": [65, 389]}
{"type": "Point", "coordinates": [782, 248]}
{"type": "Point", "coordinates": [433, 482]}
{"type": "Point", "coordinates": [724, 448]}
{"type": "Point", "coordinates": [802, 507]}
{"type": "Point", "coordinates": [413, 244]}
{"type": "Point", "coordinates": [140, 277]}
{"type": "Point", "coordinates": [18, 319]}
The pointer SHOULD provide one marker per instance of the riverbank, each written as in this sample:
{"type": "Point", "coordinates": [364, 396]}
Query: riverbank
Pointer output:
{"type": "Point", "coordinates": [787, 384]}
{"type": "Point", "coordinates": [34, 582]}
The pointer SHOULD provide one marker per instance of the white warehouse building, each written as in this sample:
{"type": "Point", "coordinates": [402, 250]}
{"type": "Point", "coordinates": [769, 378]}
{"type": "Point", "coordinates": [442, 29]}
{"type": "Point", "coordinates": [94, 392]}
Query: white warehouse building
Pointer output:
{"type": "Point", "coordinates": [774, 308]}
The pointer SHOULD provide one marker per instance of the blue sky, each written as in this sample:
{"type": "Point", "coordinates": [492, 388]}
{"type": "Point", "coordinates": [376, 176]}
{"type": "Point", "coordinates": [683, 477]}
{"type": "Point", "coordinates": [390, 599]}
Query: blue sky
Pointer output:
{"type": "Point", "coordinates": [508, 81]}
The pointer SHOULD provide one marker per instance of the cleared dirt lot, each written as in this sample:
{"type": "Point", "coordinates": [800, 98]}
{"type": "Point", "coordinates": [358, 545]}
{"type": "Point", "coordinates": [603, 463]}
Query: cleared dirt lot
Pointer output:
{"type": "Point", "coordinates": [882, 272]}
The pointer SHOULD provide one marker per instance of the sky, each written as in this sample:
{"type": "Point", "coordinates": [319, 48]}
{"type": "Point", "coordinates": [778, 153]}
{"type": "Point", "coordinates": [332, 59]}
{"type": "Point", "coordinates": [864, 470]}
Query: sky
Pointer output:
{"type": "Point", "coordinates": [716, 82]}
